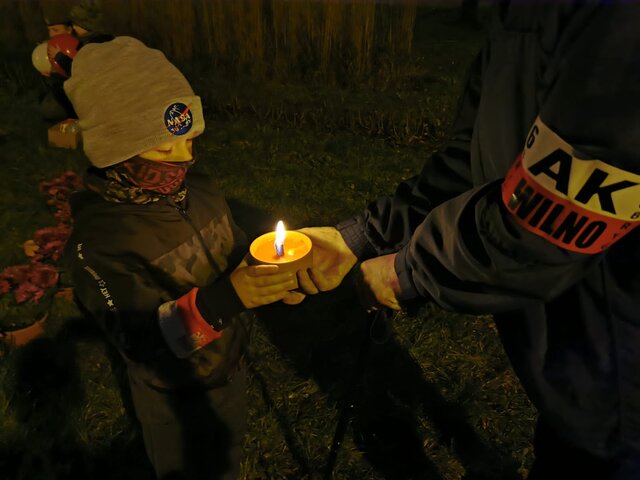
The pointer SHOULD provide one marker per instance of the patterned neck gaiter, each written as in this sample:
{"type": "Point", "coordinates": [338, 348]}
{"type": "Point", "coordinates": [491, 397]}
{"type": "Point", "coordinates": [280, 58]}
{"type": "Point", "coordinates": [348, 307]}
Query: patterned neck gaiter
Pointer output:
{"type": "Point", "coordinates": [135, 183]}
{"type": "Point", "coordinates": [165, 178]}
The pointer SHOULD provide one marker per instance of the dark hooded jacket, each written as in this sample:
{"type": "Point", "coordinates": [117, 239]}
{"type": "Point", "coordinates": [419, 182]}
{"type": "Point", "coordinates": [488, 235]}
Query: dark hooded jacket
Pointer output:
{"type": "Point", "coordinates": [528, 213]}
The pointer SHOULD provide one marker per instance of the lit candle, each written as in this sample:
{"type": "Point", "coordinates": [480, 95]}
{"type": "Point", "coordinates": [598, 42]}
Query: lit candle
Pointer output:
{"type": "Point", "coordinates": [290, 250]}
{"type": "Point", "coordinates": [281, 234]}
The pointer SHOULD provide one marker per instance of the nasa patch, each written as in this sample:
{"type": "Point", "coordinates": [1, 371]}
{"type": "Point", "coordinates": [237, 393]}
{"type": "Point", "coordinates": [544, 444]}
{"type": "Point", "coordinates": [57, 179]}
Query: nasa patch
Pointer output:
{"type": "Point", "coordinates": [178, 119]}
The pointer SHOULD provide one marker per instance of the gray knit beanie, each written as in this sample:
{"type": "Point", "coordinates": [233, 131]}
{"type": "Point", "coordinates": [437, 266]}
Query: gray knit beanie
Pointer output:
{"type": "Point", "coordinates": [129, 98]}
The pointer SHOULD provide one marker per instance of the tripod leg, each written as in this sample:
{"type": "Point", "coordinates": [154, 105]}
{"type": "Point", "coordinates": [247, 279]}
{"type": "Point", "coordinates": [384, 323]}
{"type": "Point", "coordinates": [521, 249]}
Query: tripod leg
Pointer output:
{"type": "Point", "coordinates": [353, 396]}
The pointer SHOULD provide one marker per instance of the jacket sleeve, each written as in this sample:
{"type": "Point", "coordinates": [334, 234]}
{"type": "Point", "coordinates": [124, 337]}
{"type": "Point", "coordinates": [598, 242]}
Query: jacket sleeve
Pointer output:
{"type": "Point", "coordinates": [199, 317]}
{"type": "Point", "coordinates": [140, 318]}
{"type": "Point", "coordinates": [388, 223]}
{"type": "Point", "coordinates": [64, 61]}
{"type": "Point", "coordinates": [471, 255]}
{"type": "Point", "coordinates": [122, 298]}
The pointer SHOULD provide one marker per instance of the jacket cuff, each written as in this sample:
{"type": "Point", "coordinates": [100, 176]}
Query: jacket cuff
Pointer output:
{"type": "Point", "coordinates": [64, 62]}
{"type": "Point", "coordinates": [352, 232]}
{"type": "Point", "coordinates": [182, 326]}
{"type": "Point", "coordinates": [218, 303]}
{"type": "Point", "coordinates": [407, 289]}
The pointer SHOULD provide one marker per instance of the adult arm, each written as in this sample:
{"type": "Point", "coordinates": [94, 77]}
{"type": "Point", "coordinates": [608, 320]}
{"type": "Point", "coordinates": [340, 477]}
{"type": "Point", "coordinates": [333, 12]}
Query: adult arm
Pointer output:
{"type": "Point", "coordinates": [569, 197]}
{"type": "Point", "coordinates": [387, 224]}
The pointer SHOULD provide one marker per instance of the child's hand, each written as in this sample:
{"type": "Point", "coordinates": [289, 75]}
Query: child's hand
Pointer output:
{"type": "Point", "coordinates": [258, 285]}
{"type": "Point", "coordinates": [294, 298]}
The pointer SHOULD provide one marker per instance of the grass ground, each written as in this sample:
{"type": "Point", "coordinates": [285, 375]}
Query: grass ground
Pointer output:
{"type": "Point", "coordinates": [436, 382]}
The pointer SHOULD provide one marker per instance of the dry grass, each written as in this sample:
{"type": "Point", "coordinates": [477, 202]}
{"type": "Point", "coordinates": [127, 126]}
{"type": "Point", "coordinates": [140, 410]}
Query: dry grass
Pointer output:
{"type": "Point", "coordinates": [339, 41]}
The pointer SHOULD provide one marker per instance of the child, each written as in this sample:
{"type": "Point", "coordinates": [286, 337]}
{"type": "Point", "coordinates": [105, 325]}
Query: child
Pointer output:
{"type": "Point", "coordinates": [87, 26]}
{"type": "Point", "coordinates": [53, 103]}
{"type": "Point", "coordinates": [156, 259]}
{"type": "Point", "coordinates": [88, 22]}
{"type": "Point", "coordinates": [57, 23]}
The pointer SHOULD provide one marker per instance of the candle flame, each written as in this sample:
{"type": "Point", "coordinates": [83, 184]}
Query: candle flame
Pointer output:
{"type": "Point", "coordinates": [281, 233]}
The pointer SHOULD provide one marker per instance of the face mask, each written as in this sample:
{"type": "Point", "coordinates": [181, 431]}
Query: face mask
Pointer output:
{"type": "Point", "coordinates": [164, 178]}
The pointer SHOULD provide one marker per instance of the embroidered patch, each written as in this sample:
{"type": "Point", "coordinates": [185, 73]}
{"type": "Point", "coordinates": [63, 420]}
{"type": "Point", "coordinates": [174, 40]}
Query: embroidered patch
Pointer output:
{"type": "Point", "coordinates": [178, 118]}
{"type": "Point", "coordinates": [580, 205]}
{"type": "Point", "coordinates": [100, 283]}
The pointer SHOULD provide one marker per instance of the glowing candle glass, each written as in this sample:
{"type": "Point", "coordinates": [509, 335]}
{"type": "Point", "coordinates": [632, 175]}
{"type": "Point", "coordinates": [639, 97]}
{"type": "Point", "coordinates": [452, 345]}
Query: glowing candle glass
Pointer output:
{"type": "Point", "coordinates": [290, 250]}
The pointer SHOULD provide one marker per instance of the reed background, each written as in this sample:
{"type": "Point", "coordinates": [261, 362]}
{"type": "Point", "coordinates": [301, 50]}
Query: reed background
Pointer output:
{"type": "Point", "coordinates": [337, 40]}
{"type": "Point", "coordinates": [314, 108]}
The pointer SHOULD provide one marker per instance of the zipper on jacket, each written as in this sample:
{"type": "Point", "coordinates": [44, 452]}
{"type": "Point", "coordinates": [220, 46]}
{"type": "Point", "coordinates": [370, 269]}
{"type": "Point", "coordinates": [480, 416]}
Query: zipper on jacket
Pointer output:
{"type": "Point", "coordinates": [187, 218]}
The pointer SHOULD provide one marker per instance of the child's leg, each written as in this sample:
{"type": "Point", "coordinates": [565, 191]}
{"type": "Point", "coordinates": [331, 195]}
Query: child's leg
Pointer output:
{"type": "Point", "coordinates": [195, 434]}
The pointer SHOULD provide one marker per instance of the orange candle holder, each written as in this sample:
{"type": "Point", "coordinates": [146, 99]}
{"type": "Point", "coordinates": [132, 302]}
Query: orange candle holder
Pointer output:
{"type": "Point", "coordinates": [297, 252]}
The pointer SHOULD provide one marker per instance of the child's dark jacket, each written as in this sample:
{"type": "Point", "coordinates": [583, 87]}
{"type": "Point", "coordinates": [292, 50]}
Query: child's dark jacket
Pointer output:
{"type": "Point", "coordinates": [128, 260]}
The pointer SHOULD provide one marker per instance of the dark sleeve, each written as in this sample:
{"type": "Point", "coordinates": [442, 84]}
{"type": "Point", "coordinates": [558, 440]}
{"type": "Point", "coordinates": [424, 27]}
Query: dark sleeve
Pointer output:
{"type": "Point", "coordinates": [471, 255]}
{"type": "Point", "coordinates": [388, 223]}
{"type": "Point", "coordinates": [64, 62]}
{"type": "Point", "coordinates": [487, 250]}
{"type": "Point", "coordinates": [142, 320]}
{"type": "Point", "coordinates": [218, 302]}
{"type": "Point", "coordinates": [56, 86]}
{"type": "Point", "coordinates": [123, 298]}
{"type": "Point", "coordinates": [200, 316]}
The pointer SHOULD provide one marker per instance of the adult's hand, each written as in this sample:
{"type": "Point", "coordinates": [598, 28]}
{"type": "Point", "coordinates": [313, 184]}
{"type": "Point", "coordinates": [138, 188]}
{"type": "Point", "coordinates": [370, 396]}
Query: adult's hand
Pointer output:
{"type": "Point", "coordinates": [380, 282]}
{"type": "Point", "coordinates": [332, 260]}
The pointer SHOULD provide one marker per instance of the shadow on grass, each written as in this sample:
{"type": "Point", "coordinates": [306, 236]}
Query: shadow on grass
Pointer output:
{"type": "Point", "coordinates": [357, 362]}
{"type": "Point", "coordinates": [69, 429]}
{"type": "Point", "coordinates": [50, 402]}
{"type": "Point", "coordinates": [355, 359]}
